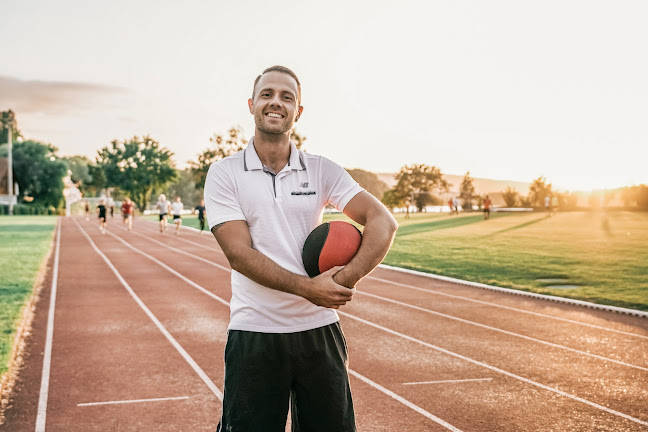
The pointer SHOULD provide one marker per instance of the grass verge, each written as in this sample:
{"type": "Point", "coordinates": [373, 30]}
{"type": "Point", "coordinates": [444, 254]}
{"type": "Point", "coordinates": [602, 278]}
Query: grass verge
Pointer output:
{"type": "Point", "coordinates": [24, 242]}
{"type": "Point", "coordinates": [604, 255]}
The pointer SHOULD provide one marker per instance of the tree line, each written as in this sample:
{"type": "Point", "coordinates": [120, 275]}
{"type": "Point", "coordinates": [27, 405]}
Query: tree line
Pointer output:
{"type": "Point", "coordinates": [140, 168]}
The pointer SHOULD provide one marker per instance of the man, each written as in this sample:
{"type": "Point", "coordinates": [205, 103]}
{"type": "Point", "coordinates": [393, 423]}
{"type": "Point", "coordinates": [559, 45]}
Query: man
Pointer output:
{"type": "Point", "coordinates": [200, 208]}
{"type": "Point", "coordinates": [487, 206]}
{"type": "Point", "coordinates": [101, 212]}
{"type": "Point", "coordinates": [284, 339]}
{"type": "Point", "coordinates": [163, 206]}
{"type": "Point", "coordinates": [176, 209]}
{"type": "Point", "coordinates": [127, 213]}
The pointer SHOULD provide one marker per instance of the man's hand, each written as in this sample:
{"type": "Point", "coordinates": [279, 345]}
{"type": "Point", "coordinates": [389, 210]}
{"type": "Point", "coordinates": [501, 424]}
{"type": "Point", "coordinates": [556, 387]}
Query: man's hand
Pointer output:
{"type": "Point", "coordinates": [324, 291]}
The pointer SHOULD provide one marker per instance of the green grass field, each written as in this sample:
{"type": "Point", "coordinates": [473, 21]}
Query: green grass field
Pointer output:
{"type": "Point", "coordinates": [24, 242]}
{"type": "Point", "coordinates": [604, 254]}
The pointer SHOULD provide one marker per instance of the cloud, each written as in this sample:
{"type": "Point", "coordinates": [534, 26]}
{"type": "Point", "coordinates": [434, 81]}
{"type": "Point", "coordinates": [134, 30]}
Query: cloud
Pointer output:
{"type": "Point", "coordinates": [55, 97]}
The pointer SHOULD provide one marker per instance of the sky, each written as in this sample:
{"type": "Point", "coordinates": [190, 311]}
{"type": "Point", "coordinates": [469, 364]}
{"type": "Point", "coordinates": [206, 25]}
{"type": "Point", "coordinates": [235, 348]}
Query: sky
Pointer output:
{"type": "Point", "coordinates": [508, 90]}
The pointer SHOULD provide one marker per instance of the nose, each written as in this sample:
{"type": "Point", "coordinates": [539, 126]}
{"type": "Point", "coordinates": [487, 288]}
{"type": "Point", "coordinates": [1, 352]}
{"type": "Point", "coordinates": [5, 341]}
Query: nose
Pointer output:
{"type": "Point", "coordinates": [276, 100]}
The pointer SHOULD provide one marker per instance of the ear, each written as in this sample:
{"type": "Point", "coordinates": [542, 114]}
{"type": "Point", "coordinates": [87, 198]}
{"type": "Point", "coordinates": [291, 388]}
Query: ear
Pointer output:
{"type": "Point", "coordinates": [299, 112]}
{"type": "Point", "coordinates": [251, 106]}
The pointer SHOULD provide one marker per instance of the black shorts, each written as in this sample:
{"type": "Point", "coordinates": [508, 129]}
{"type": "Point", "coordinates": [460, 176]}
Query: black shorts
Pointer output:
{"type": "Point", "coordinates": [175, 217]}
{"type": "Point", "coordinates": [264, 371]}
{"type": "Point", "coordinates": [126, 215]}
{"type": "Point", "coordinates": [162, 216]}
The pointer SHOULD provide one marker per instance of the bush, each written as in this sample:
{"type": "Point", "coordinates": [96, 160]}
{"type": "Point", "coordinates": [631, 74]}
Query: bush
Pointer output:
{"type": "Point", "coordinates": [30, 209]}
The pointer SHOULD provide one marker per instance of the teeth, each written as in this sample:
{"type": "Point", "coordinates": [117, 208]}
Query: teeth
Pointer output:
{"type": "Point", "coordinates": [274, 115]}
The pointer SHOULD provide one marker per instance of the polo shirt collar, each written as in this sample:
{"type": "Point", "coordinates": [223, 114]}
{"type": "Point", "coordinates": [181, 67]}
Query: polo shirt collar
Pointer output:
{"type": "Point", "coordinates": [251, 160]}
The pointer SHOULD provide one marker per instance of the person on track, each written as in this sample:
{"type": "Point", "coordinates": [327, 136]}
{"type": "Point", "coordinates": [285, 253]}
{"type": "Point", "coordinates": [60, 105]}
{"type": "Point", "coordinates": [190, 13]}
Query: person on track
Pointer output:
{"type": "Point", "coordinates": [87, 210]}
{"type": "Point", "coordinates": [127, 213]}
{"type": "Point", "coordinates": [111, 206]}
{"type": "Point", "coordinates": [101, 211]}
{"type": "Point", "coordinates": [285, 342]}
{"type": "Point", "coordinates": [200, 208]}
{"type": "Point", "coordinates": [163, 206]}
{"type": "Point", "coordinates": [176, 210]}
{"type": "Point", "coordinates": [487, 207]}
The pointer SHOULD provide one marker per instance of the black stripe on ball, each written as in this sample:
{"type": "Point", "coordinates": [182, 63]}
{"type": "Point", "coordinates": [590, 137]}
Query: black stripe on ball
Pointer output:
{"type": "Point", "coordinates": [313, 248]}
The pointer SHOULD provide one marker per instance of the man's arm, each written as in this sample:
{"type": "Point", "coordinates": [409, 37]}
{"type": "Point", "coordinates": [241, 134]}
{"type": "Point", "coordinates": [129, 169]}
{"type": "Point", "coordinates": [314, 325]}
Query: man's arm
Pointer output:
{"type": "Point", "coordinates": [234, 238]}
{"type": "Point", "coordinates": [377, 237]}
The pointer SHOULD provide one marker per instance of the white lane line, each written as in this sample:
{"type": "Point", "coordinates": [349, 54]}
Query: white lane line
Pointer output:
{"type": "Point", "coordinates": [405, 402]}
{"type": "Point", "coordinates": [157, 322]}
{"type": "Point", "coordinates": [180, 251]}
{"type": "Point", "coordinates": [132, 401]}
{"type": "Point", "coordinates": [529, 338]}
{"type": "Point", "coordinates": [495, 369]}
{"type": "Point", "coordinates": [49, 337]}
{"type": "Point", "coordinates": [476, 324]}
{"type": "Point", "coordinates": [212, 249]}
{"type": "Point", "coordinates": [430, 291]}
{"type": "Point", "coordinates": [468, 359]}
{"type": "Point", "coordinates": [449, 381]}
{"type": "Point", "coordinates": [367, 380]}
{"type": "Point", "coordinates": [434, 292]}
{"type": "Point", "coordinates": [160, 263]}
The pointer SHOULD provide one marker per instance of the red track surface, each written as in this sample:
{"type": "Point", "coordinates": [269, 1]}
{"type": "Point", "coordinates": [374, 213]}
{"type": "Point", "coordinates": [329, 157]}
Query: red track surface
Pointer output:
{"type": "Point", "coordinates": [425, 355]}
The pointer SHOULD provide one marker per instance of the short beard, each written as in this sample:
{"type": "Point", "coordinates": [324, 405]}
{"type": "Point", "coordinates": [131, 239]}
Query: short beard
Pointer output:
{"type": "Point", "coordinates": [281, 130]}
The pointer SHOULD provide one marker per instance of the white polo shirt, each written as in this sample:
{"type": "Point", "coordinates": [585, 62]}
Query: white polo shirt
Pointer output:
{"type": "Point", "coordinates": [280, 211]}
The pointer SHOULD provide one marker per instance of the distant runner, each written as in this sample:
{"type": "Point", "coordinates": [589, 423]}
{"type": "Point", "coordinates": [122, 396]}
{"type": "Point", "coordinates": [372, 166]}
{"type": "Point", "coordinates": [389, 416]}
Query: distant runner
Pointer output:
{"type": "Point", "coordinates": [487, 206]}
{"type": "Point", "coordinates": [101, 210]}
{"type": "Point", "coordinates": [177, 208]}
{"type": "Point", "coordinates": [201, 214]}
{"type": "Point", "coordinates": [127, 212]}
{"type": "Point", "coordinates": [163, 205]}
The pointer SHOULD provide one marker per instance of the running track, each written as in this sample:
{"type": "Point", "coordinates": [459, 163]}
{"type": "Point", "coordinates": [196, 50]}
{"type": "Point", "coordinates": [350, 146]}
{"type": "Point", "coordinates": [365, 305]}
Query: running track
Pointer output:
{"type": "Point", "coordinates": [130, 329]}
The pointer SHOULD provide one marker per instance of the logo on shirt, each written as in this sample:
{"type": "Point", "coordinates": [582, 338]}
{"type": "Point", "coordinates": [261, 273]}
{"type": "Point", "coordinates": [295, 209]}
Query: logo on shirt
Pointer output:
{"type": "Point", "coordinates": [303, 185]}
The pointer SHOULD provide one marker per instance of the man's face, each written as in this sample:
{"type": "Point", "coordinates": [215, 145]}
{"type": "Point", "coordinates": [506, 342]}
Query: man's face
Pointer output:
{"type": "Point", "coordinates": [275, 106]}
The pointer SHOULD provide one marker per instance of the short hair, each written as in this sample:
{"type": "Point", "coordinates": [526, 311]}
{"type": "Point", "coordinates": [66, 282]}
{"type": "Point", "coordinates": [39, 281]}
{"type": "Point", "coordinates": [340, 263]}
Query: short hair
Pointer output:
{"type": "Point", "coordinates": [281, 69]}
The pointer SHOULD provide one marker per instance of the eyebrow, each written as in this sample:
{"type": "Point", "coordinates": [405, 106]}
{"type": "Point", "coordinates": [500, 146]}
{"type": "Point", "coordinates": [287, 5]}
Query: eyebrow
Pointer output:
{"type": "Point", "coordinates": [269, 89]}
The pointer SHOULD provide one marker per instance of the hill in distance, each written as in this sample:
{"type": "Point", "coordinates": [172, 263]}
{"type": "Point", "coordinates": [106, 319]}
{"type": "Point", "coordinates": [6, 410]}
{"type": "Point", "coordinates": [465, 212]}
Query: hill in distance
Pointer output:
{"type": "Point", "coordinates": [482, 185]}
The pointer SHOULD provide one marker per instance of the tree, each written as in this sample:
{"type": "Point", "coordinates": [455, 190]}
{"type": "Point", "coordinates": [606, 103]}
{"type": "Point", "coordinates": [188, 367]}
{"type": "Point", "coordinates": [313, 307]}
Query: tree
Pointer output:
{"type": "Point", "coordinates": [370, 182]}
{"type": "Point", "coordinates": [538, 190]}
{"type": "Point", "coordinates": [420, 181]}
{"type": "Point", "coordinates": [220, 148]}
{"type": "Point", "coordinates": [8, 118]}
{"type": "Point", "coordinates": [390, 200]}
{"type": "Point", "coordinates": [137, 167]}
{"type": "Point", "coordinates": [467, 191]}
{"type": "Point", "coordinates": [185, 188]}
{"type": "Point", "coordinates": [39, 172]}
{"type": "Point", "coordinates": [97, 182]}
{"type": "Point", "coordinates": [566, 200]}
{"type": "Point", "coordinates": [511, 197]}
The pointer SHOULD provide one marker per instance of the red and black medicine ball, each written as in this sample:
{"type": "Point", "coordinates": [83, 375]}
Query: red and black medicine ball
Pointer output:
{"type": "Point", "coordinates": [330, 244]}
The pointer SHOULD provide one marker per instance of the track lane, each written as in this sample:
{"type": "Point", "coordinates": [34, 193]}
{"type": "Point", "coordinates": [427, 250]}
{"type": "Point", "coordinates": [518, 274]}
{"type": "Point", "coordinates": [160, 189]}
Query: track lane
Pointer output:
{"type": "Point", "coordinates": [106, 349]}
{"type": "Point", "coordinates": [367, 412]}
{"type": "Point", "coordinates": [564, 313]}
{"type": "Point", "coordinates": [354, 302]}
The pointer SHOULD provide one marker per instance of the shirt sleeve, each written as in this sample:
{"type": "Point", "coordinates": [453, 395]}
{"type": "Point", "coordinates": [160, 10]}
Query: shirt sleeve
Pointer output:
{"type": "Point", "coordinates": [221, 202]}
{"type": "Point", "coordinates": [338, 184]}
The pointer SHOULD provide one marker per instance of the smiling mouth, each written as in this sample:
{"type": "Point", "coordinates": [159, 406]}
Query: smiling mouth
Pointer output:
{"type": "Point", "coordinates": [274, 115]}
